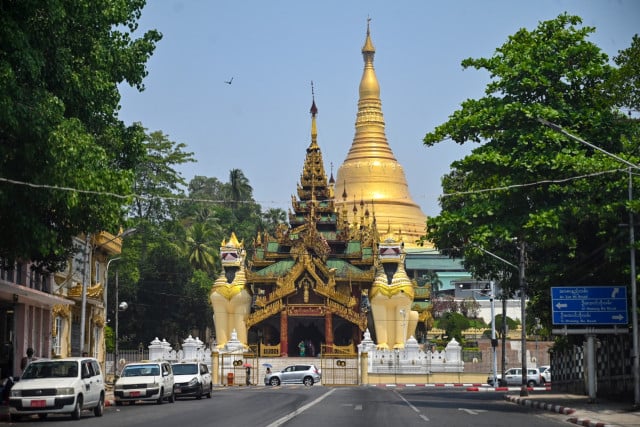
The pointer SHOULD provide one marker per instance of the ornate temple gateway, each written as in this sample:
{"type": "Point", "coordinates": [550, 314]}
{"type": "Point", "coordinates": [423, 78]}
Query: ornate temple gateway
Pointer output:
{"type": "Point", "coordinates": [319, 283]}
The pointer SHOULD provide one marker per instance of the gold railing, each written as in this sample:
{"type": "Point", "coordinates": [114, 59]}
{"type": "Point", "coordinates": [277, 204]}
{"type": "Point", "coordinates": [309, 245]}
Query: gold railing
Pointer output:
{"type": "Point", "coordinates": [342, 350]}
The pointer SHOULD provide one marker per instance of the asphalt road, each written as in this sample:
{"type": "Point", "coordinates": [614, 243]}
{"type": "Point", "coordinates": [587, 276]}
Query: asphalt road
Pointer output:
{"type": "Point", "coordinates": [294, 406]}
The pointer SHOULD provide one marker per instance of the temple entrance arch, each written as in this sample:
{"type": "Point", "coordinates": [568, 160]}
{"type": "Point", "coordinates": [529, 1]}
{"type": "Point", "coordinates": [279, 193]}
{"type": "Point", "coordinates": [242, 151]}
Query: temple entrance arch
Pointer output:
{"type": "Point", "coordinates": [306, 330]}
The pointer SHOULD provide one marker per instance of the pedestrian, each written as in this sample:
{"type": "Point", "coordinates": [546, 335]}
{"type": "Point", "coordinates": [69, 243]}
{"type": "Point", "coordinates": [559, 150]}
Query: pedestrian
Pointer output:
{"type": "Point", "coordinates": [268, 370]}
{"type": "Point", "coordinates": [301, 347]}
{"type": "Point", "coordinates": [27, 359]}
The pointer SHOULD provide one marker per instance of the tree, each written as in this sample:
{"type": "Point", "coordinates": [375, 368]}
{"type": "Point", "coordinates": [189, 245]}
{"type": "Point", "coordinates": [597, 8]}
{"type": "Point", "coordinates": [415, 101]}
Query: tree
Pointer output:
{"type": "Point", "coordinates": [453, 324]}
{"type": "Point", "coordinates": [626, 82]}
{"type": "Point", "coordinates": [530, 183]}
{"type": "Point", "coordinates": [511, 325]}
{"type": "Point", "coordinates": [442, 305]}
{"type": "Point", "coordinates": [272, 218]}
{"type": "Point", "coordinates": [61, 63]}
{"type": "Point", "coordinates": [469, 307]}
{"type": "Point", "coordinates": [200, 248]}
{"type": "Point", "coordinates": [240, 189]}
{"type": "Point", "coordinates": [157, 180]}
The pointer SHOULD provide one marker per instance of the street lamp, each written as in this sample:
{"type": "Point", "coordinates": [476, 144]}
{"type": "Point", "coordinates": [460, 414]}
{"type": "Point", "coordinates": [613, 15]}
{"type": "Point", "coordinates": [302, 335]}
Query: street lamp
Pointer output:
{"type": "Point", "coordinates": [122, 306]}
{"type": "Point", "coordinates": [86, 277]}
{"type": "Point", "coordinates": [523, 390]}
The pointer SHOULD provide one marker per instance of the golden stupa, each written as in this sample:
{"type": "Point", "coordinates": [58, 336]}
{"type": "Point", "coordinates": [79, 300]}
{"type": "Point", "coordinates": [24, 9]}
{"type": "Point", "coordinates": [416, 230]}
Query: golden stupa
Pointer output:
{"type": "Point", "coordinates": [371, 173]}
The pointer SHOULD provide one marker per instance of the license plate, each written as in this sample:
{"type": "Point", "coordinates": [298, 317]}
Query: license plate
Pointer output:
{"type": "Point", "coordinates": [134, 394]}
{"type": "Point", "coordinates": [178, 390]}
{"type": "Point", "coordinates": [38, 403]}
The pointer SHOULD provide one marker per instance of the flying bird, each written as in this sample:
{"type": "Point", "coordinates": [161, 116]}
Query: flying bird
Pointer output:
{"type": "Point", "coordinates": [229, 81]}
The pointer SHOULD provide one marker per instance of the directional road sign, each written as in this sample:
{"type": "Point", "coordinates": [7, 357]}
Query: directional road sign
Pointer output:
{"type": "Point", "coordinates": [589, 305]}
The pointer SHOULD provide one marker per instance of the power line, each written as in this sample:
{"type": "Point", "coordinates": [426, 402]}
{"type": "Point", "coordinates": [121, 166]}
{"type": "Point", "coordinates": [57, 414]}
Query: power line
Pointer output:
{"type": "Point", "coordinates": [214, 201]}
{"type": "Point", "coordinates": [531, 184]}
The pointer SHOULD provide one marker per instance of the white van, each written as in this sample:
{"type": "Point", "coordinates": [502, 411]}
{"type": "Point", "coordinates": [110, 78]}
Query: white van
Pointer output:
{"type": "Point", "coordinates": [58, 386]}
{"type": "Point", "coordinates": [145, 381]}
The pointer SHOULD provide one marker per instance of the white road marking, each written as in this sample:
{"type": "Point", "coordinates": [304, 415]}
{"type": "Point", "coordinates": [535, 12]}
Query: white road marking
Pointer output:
{"type": "Point", "coordinates": [424, 417]}
{"type": "Point", "coordinates": [300, 410]}
{"type": "Point", "coordinates": [472, 412]}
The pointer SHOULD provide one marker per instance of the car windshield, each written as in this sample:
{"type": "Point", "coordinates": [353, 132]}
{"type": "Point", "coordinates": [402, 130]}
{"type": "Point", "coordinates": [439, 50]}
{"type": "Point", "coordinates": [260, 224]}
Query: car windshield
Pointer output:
{"type": "Point", "coordinates": [140, 371]}
{"type": "Point", "coordinates": [51, 369]}
{"type": "Point", "coordinates": [185, 369]}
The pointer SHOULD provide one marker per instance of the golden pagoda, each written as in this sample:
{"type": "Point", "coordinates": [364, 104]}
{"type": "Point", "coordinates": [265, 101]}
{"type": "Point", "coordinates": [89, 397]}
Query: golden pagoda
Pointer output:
{"type": "Point", "coordinates": [371, 173]}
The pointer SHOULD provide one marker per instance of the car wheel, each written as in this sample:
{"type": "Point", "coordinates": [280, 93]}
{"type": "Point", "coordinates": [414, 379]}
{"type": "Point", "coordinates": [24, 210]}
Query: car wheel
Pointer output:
{"type": "Point", "coordinates": [99, 409]}
{"type": "Point", "coordinates": [274, 381]}
{"type": "Point", "coordinates": [161, 397]}
{"type": "Point", "coordinates": [43, 416]}
{"type": "Point", "coordinates": [210, 390]}
{"type": "Point", "coordinates": [531, 383]}
{"type": "Point", "coordinates": [502, 383]}
{"type": "Point", "coordinates": [199, 393]}
{"type": "Point", "coordinates": [308, 381]}
{"type": "Point", "coordinates": [75, 415]}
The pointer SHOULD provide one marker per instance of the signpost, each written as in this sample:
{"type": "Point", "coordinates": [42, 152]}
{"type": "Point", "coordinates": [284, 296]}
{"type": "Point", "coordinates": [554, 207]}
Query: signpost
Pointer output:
{"type": "Point", "coordinates": [589, 305]}
{"type": "Point", "coordinates": [592, 308]}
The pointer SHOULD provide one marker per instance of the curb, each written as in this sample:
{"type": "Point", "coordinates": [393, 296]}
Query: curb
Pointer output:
{"type": "Point", "coordinates": [541, 405]}
{"type": "Point", "coordinates": [558, 409]}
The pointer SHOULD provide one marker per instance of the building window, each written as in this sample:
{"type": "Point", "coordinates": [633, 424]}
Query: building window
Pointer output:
{"type": "Point", "coordinates": [96, 340]}
{"type": "Point", "coordinates": [96, 269]}
{"type": "Point", "coordinates": [57, 336]}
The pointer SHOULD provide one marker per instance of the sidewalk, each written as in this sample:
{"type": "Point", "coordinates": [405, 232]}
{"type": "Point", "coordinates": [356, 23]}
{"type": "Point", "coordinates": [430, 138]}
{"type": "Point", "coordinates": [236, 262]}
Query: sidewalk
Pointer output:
{"type": "Point", "coordinates": [602, 413]}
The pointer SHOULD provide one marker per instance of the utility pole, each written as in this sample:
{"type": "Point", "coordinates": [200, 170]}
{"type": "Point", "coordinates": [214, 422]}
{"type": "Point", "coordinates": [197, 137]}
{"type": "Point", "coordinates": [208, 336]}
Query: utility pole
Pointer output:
{"type": "Point", "coordinates": [523, 313]}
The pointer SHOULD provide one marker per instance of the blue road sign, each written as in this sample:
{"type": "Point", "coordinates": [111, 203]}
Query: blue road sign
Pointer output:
{"type": "Point", "coordinates": [590, 305]}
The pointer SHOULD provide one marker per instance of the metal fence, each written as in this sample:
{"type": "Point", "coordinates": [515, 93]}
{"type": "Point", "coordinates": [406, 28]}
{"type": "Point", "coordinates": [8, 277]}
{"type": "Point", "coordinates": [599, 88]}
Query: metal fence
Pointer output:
{"type": "Point", "coordinates": [124, 356]}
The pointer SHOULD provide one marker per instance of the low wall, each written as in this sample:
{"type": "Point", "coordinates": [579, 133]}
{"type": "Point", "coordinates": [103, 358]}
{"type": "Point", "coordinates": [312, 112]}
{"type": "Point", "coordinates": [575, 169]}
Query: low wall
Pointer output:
{"type": "Point", "coordinates": [434, 378]}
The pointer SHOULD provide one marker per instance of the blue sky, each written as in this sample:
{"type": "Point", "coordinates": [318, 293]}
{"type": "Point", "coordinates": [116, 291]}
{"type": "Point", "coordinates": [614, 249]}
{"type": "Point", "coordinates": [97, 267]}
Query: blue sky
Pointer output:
{"type": "Point", "coordinates": [274, 49]}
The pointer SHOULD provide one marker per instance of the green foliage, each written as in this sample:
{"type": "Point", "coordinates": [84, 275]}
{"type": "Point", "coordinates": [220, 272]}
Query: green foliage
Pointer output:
{"type": "Point", "coordinates": [60, 66]}
{"type": "Point", "coordinates": [156, 178]}
{"type": "Point", "coordinates": [453, 324]}
{"type": "Point", "coordinates": [626, 82]}
{"type": "Point", "coordinates": [522, 183]}
{"type": "Point", "coordinates": [511, 325]}
{"type": "Point", "coordinates": [109, 339]}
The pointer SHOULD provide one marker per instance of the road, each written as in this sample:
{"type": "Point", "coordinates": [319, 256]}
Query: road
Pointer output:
{"type": "Point", "coordinates": [299, 406]}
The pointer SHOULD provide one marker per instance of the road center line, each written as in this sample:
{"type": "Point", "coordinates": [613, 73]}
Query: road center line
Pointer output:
{"type": "Point", "coordinates": [300, 410]}
{"type": "Point", "coordinates": [424, 417]}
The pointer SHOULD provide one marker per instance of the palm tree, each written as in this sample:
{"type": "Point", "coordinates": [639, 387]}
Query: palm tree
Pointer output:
{"type": "Point", "coordinates": [272, 218]}
{"type": "Point", "coordinates": [199, 247]}
{"type": "Point", "coordinates": [240, 188]}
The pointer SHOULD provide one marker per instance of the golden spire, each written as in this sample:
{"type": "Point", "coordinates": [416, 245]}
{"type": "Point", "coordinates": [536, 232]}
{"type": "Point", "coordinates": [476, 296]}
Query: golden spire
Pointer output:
{"type": "Point", "coordinates": [370, 168]}
{"type": "Point", "coordinates": [313, 111]}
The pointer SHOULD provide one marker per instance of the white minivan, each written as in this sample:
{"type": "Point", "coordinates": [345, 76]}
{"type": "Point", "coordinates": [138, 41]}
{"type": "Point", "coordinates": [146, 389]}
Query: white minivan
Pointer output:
{"type": "Point", "coordinates": [145, 381]}
{"type": "Point", "coordinates": [58, 386]}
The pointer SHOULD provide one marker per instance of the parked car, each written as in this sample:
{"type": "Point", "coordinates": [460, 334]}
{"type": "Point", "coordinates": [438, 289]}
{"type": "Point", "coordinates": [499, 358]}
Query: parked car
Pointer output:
{"type": "Point", "coordinates": [145, 381]}
{"type": "Point", "coordinates": [58, 386]}
{"type": "Point", "coordinates": [192, 379]}
{"type": "Point", "coordinates": [294, 374]}
{"type": "Point", "coordinates": [545, 371]}
{"type": "Point", "coordinates": [513, 376]}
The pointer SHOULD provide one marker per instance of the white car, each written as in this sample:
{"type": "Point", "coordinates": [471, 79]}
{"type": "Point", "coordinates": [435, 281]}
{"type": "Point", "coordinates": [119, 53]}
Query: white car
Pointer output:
{"type": "Point", "coordinates": [58, 386]}
{"type": "Point", "coordinates": [545, 371]}
{"type": "Point", "coordinates": [192, 379]}
{"type": "Point", "coordinates": [513, 376]}
{"type": "Point", "coordinates": [145, 381]}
